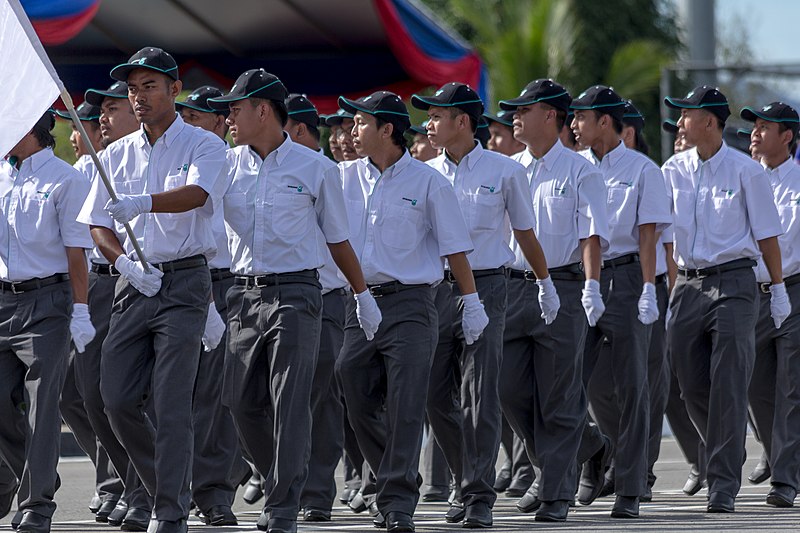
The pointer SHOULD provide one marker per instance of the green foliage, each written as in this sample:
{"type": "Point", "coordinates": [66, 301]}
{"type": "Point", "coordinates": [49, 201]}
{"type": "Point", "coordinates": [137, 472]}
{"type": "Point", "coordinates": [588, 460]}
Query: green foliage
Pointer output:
{"type": "Point", "coordinates": [63, 148]}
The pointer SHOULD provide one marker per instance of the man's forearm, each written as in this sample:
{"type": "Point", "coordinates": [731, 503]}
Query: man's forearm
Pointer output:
{"type": "Point", "coordinates": [771, 255]}
{"type": "Point", "coordinates": [179, 200]}
{"type": "Point", "coordinates": [345, 258]}
{"type": "Point", "coordinates": [107, 242]}
{"type": "Point", "coordinates": [462, 271]}
{"type": "Point", "coordinates": [592, 257]}
{"type": "Point", "coordinates": [532, 250]}
{"type": "Point", "coordinates": [647, 252]}
{"type": "Point", "coordinates": [78, 274]}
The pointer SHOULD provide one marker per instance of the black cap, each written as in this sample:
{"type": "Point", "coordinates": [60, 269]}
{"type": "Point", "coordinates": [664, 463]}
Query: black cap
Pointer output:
{"type": "Point", "coordinates": [420, 129]}
{"type": "Point", "coordinates": [506, 118]}
{"type": "Point", "coordinates": [85, 111]}
{"type": "Point", "coordinates": [670, 126]}
{"type": "Point", "coordinates": [335, 119]}
{"type": "Point", "coordinates": [743, 133]}
{"type": "Point", "coordinates": [774, 112]}
{"type": "Point", "coordinates": [543, 90]}
{"type": "Point", "coordinates": [118, 89]}
{"type": "Point", "coordinates": [602, 99]}
{"type": "Point", "coordinates": [482, 133]}
{"type": "Point", "coordinates": [302, 110]}
{"type": "Point", "coordinates": [387, 105]}
{"type": "Point", "coordinates": [46, 122]}
{"type": "Point", "coordinates": [255, 83]}
{"type": "Point", "coordinates": [703, 97]}
{"type": "Point", "coordinates": [198, 100]}
{"type": "Point", "coordinates": [148, 57]}
{"type": "Point", "coordinates": [632, 117]}
{"type": "Point", "coordinates": [452, 94]}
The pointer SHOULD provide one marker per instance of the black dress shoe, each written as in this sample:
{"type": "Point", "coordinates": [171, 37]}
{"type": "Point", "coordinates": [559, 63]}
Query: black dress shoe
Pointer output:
{"type": "Point", "coordinates": [346, 495]}
{"type": "Point", "coordinates": [555, 511]}
{"type": "Point", "coordinates": [106, 508]}
{"type": "Point", "coordinates": [781, 495]}
{"type": "Point", "coordinates": [720, 503]}
{"type": "Point", "coordinates": [455, 514]}
{"type": "Point", "coordinates": [593, 474]}
{"type": "Point", "coordinates": [357, 504]}
{"type": "Point", "coordinates": [608, 486]}
{"type": "Point", "coordinates": [263, 520]}
{"type": "Point", "coordinates": [625, 507]}
{"type": "Point", "coordinates": [432, 495]}
{"type": "Point", "coordinates": [529, 502]}
{"type": "Point", "coordinates": [136, 520]}
{"type": "Point", "coordinates": [254, 491]}
{"type": "Point", "coordinates": [95, 503]}
{"type": "Point", "coordinates": [379, 521]}
{"type": "Point", "coordinates": [761, 472]}
{"type": "Point", "coordinates": [282, 525]}
{"type": "Point", "coordinates": [220, 515]}
{"type": "Point", "coordinates": [399, 522]}
{"type": "Point", "coordinates": [6, 502]}
{"type": "Point", "coordinates": [478, 516]}
{"type": "Point", "coordinates": [316, 515]}
{"type": "Point", "coordinates": [15, 520]}
{"type": "Point", "coordinates": [693, 483]}
{"type": "Point", "coordinates": [515, 492]}
{"type": "Point", "coordinates": [503, 479]}
{"type": "Point", "coordinates": [116, 516]}
{"type": "Point", "coordinates": [34, 523]}
{"type": "Point", "coordinates": [647, 497]}
{"type": "Point", "coordinates": [172, 526]}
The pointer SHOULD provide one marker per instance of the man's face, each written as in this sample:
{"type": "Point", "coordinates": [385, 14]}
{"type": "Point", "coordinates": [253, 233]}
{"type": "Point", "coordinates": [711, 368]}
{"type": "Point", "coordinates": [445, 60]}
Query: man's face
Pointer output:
{"type": "Point", "coordinates": [501, 139]}
{"type": "Point", "coordinates": [530, 120]}
{"type": "Point", "coordinates": [200, 119]}
{"type": "Point", "coordinates": [586, 127]}
{"type": "Point", "coordinates": [421, 148]}
{"type": "Point", "coordinates": [366, 135]}
{"type": "Point", "coordinates": [333, 144]}
{"type": "Point", "coordinates": [680, 144]}
{"type": "Point", "coordinates": [245, 120]}
{"type": "Point", "coordinates": [152, 95]}
{"type": "Point", "coordinates": [767, 139]}
{"type": "Point", "coordinates": [443, 126]}
{"type": "Point", "coordinates": [695, 124]}
{"type": "Point", "coordinates": [345, 139]}
{"type": "Point", "coordinates": [116, 119]}
{"type": "Point", "coordinates": [76, 140]}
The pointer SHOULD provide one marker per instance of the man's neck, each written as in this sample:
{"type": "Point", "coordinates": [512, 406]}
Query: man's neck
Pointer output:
{"type": "Point", "coordinates": [386, 157]}
{"type": "Point", "coordinates": [542, 144]}
{"type": "Point", "coordinates": [155, 130]}
{"type": "Point", "coordinates": [775, 160]}
{"type": "Point", "coordinates": [707, 148]}
{"type": "Point", "coordinates": [604, 145]}
{"type": "Point", "coordinates": [460, 147]}
{"type": "Point", "coordinates": [267, 142]}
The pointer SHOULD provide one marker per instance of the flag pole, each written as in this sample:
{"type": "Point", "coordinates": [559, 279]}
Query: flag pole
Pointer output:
{"type": "Point", "coordinates": [22, 18]}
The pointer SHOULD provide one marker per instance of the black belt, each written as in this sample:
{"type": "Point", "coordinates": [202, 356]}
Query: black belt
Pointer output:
{"type": "Point", "coordinates": [18, 287]}
{"type": "Point", "coordinates": [570, 272]}
{"type": "Point", "coordinates": [448, 274]}
{"type": "Point", "coordinates": [393, 287]}
{"type": "Point", "coordinates": [626, 259]}
{"type": "Point", "coordinates": [661, 278]}
{"type": "Point", "coordinates": [218, 274]}
{"type": "Point", "coordinates": [271, 280]}
{"type": "Point", "coordinates": [791, 280]}
{"type": "Point", "coordinates": [104, 269]}
{"type": "Point", "coordinates": [340, 291]}
{"type": "Point", "coordinates": [182, 264]}
{"type": "Point", "coordinates": [736, 264]}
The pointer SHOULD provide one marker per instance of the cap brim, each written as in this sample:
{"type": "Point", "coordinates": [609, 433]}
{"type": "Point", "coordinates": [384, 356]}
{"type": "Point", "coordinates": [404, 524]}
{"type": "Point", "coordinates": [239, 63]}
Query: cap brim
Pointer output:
{"type": "Point", "coordinates": [190, 106]}
{"type": "Point", "coordinates": [425, 103]}
{"type": "Point", "coordinates": [679, 103]}
{"type": "Point", "coordinates": [95, 97]}
{"type": "Point", "coordinates": [416, 130]}
{"type": "Point", "coordinates": [398, 119]}
{"type": "Point", "coordinates": [121, 72]}
{"type": "Point", "coordinates": [514, 103]}
{"type": "Point", "coordinates": [65, 115]}
{"type": "Point", "coordinates": [743, 133]}
{"type": "Point", "coordinates": [335, 120]}
{"type": "Point", "coordinates": [751, 115]}
{"type": "Point", "coordinates": [220, 103]}
{"type": "Point", "coordinates": [494, 118]}
{"type": "Point", "coordinates": [350, 106]}
{"type": "Point", "coordinates": [669, 127]}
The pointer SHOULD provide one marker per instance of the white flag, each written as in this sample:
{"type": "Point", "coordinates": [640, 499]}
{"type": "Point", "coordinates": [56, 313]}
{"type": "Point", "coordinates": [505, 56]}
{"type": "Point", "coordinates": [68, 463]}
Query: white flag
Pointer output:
{"type": "Point", "coordinates": [28, 82]}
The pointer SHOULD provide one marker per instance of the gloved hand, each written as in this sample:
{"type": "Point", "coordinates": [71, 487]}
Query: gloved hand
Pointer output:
{"type": "Point", "coordinates": [648, 304]}
{"type": "Point", "coordinates": [368, 313]}
{"type": "Point", "coordinates": [215, 328]}
{"type": "Point", "coordinates": [779, 305]}
{"type": "Point", "coordinates": [126, 208]}
{"type": "Point", "coordinates": [80, 326]}
{"type": "Point", "coordinates": [474, 319]}
{"type": "Point", "coordinates": [592, 301]}
{"type": "Point", "coordinates": [146, 283]}
{"type": "Point", "coordinates": [548, 300]}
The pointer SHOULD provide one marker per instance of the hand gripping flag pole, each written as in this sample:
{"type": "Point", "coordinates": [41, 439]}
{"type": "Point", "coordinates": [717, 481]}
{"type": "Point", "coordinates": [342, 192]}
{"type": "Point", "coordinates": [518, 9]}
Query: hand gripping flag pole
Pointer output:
{"type": "Point", "coordinates": [22, 56]}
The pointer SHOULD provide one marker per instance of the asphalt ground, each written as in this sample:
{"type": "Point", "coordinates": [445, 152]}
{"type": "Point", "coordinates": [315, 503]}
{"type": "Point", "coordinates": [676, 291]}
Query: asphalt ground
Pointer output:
{"type": "Point", "coordinates": [671, 510]}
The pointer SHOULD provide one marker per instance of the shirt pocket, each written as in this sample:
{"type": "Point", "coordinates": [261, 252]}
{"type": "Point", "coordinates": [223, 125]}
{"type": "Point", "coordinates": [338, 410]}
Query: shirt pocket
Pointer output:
{"type": "Point", "coordinates": [622, 205]}
{"type": "Point", "coordinates": [728, 213]}
{"type": "Point", "coordinates": [402, 227]}
{"type": "Point", "coordinates": [238, 215]}
{"type": "Point", "coordinates": [173, 181]}
{"type": "Point", "coordinates": [135, 186]}
{"type": "Point", "coordinates": [486, 211]}
{"type": "Point", "coordinates": [32, 213]}
{"type": "Point", "coordinates": [560, 213]}
{"type": "Point", "coordinates": [291, 213]}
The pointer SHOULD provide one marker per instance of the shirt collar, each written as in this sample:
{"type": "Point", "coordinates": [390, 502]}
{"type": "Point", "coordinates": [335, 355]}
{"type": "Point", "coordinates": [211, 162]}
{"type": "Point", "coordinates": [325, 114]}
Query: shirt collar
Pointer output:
{"type": "Point", "coordinates": [398, 166]}
{"type": "Point", "coordinates": [613, 156]}
{"type": "Point", "coordinates": [280, 152]}
{"type": "Point", "coordinates": [169, 136]}
{"type": "Point", "coordinates": [470, 159]}
{"type": "Point", "coordinates": [549, 159]}
{"type": "Point", "coordinates": [714, 162]}
{"type": "Point", "coordinates": [41, 157]}
{"type": "Point", "coordinates": [782, 170]}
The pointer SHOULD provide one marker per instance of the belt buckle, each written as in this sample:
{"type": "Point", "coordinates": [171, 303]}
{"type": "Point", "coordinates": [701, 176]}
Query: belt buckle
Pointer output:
{"type": "Point", "coordinates": [14, 289]}
{"type": "Point", "coordinates": [375, 291]}
{"type": "Point", "coordinates": [697, 272]}
{"type": "Point", "coordinates": [764, 287]}
{"type": "Point", "coordinates": [530, 275]}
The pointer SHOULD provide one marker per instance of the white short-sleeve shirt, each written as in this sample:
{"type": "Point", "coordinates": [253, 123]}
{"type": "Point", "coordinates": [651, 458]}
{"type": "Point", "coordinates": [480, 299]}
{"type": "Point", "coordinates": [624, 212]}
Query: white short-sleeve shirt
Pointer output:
{"type": "Point", "coordinates": [721, 207]}
{"type": "Point", "coordinates": [785, 182]}
{"type": "Point", "coordinates": [86, 166]}
{"type": "Point", "coordinates": [636, 196]}
{"type": "Point", "coordinates": [568, 197]}
{"type": "Point", "coordinates": [403, 221]}
{"type": "Point", "coordinates": [281, 211]}
{"type": "Point", "coordinates": [491, 190]}
{"type": "Point", "coordinates": [183, 155]}
{"type": "Point", "coordinates": [39, 204]}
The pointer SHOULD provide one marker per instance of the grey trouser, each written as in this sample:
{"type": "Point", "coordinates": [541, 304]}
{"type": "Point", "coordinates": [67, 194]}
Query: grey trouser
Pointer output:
{"type": "Point", "coordinates": [435, 472]}
{"type": "Point", "coordinates": [153, 348]}
{"type": "Point", "coordinates": [217, 456]}
{"type": "Point", "coordinates": [273, 340]}
{"type": "Point", "coordinates": [34, 347]}
{"type": "Point", "coordinates": [685, 433]}
{"type": "Point", "coordinates": [540, 383]}
{"type": "Point", "coordinates": [463, 401]}
{"type": "Point", "coordinates": [391, 370]}
{"type": "Point", "coordinates": [712, 338]}
{"type": "Point", "coordinates": [87, 375]}
{"type": "Point", "coordinates": [629, 341]}
{"type": "Point", "coordinates": [605, 402]}
{"type": "Point", "coordinates": [326, 407]}
{"type": "Point", "coordinates": [517, 462]}
{"type": "Point", "coordinates": [775, 388]}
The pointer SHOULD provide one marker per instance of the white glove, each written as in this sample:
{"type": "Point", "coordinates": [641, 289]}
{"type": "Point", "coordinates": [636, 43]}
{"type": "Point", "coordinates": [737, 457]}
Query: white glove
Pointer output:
{"type": "Point", "coordinates": [215, 328]}
{"type": "Point", "coordinates": [126, 208]}
{"type": "Point", "coordinates": [548, 300]}
{"type": "Point", "coordinates": [592, 301]}
{"type": "Point", "coordinates": [648, 304]}
{"type": "Point", "coordinates": [147, 284]}
{"type": "Point", "coordinates": [779, 304]}
{"type": "Point", "coordinates": [368, 313]}
{"type": "Point", "coordinates": [474, 319]}
{"type": "Point", "coordinates": [80, 326]}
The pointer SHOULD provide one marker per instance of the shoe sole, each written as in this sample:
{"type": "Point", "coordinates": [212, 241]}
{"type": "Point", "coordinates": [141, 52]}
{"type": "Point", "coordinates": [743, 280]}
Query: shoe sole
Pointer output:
{"type": "Point", "coordinates": [453, 520]}
{"type": "Point", "coordinates": [538, 518]}
{"type": "Point", "coordinates": [476, 524]}
{"type": "Point", "coordinates": [620, 514]}
{"type": "Point", "coordinates": [719, 509]}
{"type": "Point", "coordinates": [316, 518]}
{"type": "Point", "coordinates": [777, 501]}
{"type": "Point", "coordinates": [530, 509]}
{"type": "Point", "coordinates": [131, 526]}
